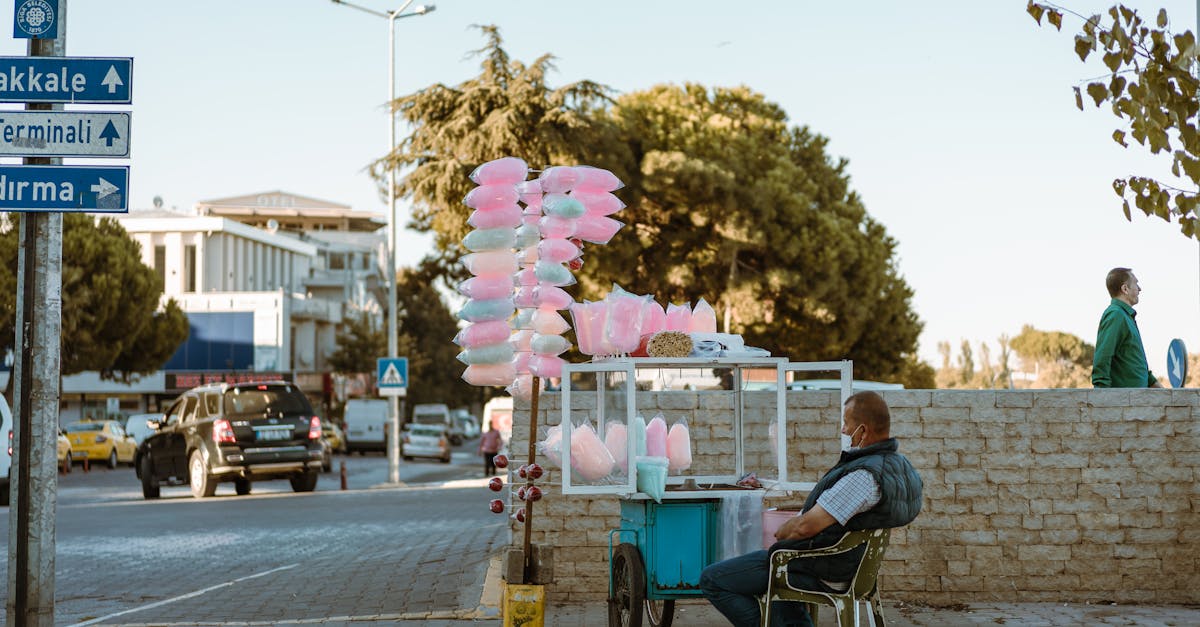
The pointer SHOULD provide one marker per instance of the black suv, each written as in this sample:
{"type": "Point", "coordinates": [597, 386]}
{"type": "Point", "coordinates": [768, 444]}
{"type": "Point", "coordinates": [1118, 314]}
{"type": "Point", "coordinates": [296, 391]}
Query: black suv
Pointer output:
{"type": "Point", "coordinates": [241, 433]}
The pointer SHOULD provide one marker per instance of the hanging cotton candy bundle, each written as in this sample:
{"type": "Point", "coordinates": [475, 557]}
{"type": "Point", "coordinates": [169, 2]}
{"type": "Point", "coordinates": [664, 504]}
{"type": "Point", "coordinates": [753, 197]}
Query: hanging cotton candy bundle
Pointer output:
{"type": "Point", "coordinates": [656, 437]}
{"type": "Point", "coordinates": [597, 229]}
{"type": "Point", "coordinates": [593, 179]}
{"type": "Point", "coordinates": [558, 179]}
{"type": "Point", "coordinates": [623, 329]}
{"type": "Point", "coordinates": [503, 217]}
{"type": "Point", "coordinates": [679, 446]}
{"type": "Point", "coordinates": [499, 352]}
{"type": "Point", "coordinates": [487, 286]}
{"type": "Point", "coordinates": [589, 457]}
{"type": "Point", "coordinates": [483, 333]}
{"type": "Point", "coordinates": [508, 170]}
{"type": "Point", "coordinates": [598, 203]}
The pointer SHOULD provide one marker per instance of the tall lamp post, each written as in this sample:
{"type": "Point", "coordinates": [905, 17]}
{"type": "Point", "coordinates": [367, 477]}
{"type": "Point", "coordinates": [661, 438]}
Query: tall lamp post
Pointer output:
{"type": "Point", "coordinates": [394, 401]}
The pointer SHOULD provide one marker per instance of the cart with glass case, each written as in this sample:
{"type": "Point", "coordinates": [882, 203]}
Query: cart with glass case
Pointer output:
{"type": "Point", "coordinates": [657, 554]}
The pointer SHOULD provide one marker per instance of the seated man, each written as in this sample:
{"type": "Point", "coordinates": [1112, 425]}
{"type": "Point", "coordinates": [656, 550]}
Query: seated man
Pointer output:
{"type": "Point", "coordinates": [872, 487]}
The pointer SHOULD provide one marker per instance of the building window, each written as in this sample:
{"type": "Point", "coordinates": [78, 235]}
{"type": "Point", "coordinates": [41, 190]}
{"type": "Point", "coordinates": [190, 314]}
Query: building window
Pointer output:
{"type": "Point", "coordinates": [160, 263]}
{"type": "Point", "coordinates": [189, 268]}
{"type": "Point", "coordinates": [337, 261]}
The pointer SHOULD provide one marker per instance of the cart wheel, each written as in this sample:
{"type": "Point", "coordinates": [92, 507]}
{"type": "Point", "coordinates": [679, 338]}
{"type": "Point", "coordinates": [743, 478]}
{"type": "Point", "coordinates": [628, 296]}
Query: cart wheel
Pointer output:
{"type": "Point", "coordinates": [629, 587]}
{"type": "Point", "coordinates": [661, 613]}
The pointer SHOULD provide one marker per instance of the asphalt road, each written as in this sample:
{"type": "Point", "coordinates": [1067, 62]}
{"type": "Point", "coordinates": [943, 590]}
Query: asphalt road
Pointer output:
{"type": "Point", "coordinates": [273, 555]}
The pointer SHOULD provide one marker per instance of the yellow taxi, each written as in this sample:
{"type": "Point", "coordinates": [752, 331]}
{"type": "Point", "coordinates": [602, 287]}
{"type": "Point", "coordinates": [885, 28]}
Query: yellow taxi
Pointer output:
{"type": "Point", "coordinates": [334, 436]}
{"type": "Point", "coordinates": [97, 440]}
{"type": "Point", "coordinates": [64, 451]}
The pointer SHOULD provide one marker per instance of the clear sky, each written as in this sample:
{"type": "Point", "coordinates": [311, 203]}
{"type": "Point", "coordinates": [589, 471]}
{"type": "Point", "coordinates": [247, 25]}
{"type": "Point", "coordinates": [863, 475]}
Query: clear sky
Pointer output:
{"type": "Point", "coordinates": [957, 119]}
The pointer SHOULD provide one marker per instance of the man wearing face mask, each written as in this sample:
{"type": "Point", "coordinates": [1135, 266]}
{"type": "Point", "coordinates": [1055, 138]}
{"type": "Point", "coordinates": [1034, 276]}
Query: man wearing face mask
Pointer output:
{"type": "Point", "coordinates": [872, 486]}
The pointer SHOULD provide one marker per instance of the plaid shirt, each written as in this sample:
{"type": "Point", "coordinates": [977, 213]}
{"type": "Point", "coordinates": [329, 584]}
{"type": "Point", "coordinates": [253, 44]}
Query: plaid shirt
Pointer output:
{"type": "Point", "coordinates": [852, 495]}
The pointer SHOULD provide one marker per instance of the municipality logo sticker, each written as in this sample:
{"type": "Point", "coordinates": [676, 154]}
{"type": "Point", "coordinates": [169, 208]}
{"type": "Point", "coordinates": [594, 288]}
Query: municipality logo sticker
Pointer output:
{"type": "Point", "coordinates": [35, 17]}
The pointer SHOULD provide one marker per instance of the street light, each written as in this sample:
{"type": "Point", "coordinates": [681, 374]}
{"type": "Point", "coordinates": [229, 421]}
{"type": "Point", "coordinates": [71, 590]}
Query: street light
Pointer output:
{"type": "Point", "coordinates": [394, 401]}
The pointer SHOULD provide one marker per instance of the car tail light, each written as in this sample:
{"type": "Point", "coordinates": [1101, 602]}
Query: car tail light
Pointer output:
{"type": "Point", "coordinates": [314, 428]}
{"type": "Point", "coordinates": [223, 432]}
{"type": "Point", "coordinates": [100, 439]}
{"type": "Point", "coordinates": [441, 441]}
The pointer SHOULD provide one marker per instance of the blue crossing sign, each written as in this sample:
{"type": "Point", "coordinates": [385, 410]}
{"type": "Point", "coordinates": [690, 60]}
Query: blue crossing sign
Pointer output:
{"type": "Point", "coordinates": [1177, 363]}
{"type": "Point", "coordinates": [87, 80]}
{"type": "Point", "coordinates": [103, 189]}
{"type": "Point", "coordinates": [392, 376]}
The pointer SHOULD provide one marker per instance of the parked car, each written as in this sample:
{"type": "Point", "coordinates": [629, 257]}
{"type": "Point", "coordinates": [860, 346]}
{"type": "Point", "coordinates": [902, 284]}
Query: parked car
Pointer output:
{"type": "Point", "coordinates": [242, 433]}
{"type": "Point", "coordinates": [6, 431]}
{"type": "Point", "coordinates": [421, 440]}
{"type": "Point", "coordinates": [334, 435]}
{"type": "Point", "coordinates": [465, 423]}
{"type": "Point", "coordinates": [96, 440]}
{"type": "Point", "coordinates": [138, 426]}
{"type": "Point", "coordinates": [436, 414]}
{"type": "Point", "coordinates": [64, 451]}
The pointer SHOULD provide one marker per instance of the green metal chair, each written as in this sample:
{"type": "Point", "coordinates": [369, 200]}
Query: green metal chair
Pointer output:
{"type": "Point", "coordinates": [862, 588]}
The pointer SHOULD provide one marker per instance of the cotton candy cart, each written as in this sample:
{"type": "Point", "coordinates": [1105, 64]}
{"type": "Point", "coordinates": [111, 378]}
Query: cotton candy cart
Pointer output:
{"type": "Point", "coordinates": [660, 548]}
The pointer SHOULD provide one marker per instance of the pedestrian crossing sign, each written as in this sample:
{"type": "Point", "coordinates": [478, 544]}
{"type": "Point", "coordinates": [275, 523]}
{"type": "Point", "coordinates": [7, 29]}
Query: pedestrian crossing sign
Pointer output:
{"type": "Point", "coordinates": [392, 376]}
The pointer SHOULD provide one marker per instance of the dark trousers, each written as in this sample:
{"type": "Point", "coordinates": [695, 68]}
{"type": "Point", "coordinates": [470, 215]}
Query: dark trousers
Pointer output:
{"type": "Point", "coordinates": [489, 465]}
{"type": "Point", "coordinates": [734, 585]}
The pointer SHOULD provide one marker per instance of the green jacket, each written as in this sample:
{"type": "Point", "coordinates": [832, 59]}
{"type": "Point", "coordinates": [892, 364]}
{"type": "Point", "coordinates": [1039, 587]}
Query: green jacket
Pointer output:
{"type": "Point", "coordinates": [1120, 360]}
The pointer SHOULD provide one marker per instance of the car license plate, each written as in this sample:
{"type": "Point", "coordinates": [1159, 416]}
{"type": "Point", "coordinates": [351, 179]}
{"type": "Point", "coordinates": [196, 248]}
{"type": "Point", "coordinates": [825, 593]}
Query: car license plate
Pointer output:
{"type": "Point", "coordinates": [273, 434]}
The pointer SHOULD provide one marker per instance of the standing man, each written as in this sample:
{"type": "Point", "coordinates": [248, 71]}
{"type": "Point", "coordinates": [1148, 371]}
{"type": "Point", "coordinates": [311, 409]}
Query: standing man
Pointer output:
{"type": "Point", "coordinates": [490, 443]}
{"type": "Point", "coordinates": [1120, 360]}
{"type": "Point", "coordinates": [872, 486]}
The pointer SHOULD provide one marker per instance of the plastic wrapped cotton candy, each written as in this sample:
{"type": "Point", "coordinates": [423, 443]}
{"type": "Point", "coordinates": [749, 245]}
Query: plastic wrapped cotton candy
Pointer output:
{"type": "Point", "coordinates": [490, 239]}
{"type": "Point", "coordinates": [616, 439]}
{"type": "Point", "coordinates": [551, 446]}
{"type": "Point", "coordinates": [704, 319]}
{"type": "Point", "coordinates": [527, 235]}
{"type": "Point", "coordinates": [490, 374]}
{"type": "Point", "coordinates": [679, 446]}
{"type": "Point", "coordinates": [521, 360]}
{"type": "Point", "coordinates": [549, 322]}
{"type": "Point", "coordinates": [526, 277]}
{"type": "Point", "coordinates": [525, 297]}
{"type": "Point", "coordinates": [522, 340]}
{"type": "Point", "coordinates": [487, 286]}
{"type": "Point", "coordinates": [524, 319]}
{"type": "Point", "coordinates": [598, 203]}
{"type": "Point", "coordinates": [589, 457]}
{"type": "Point", "coordinates": [491, 262]}
{"type": "Point", "coordinates": [521, 388]}
{"type": "Point", "coordinates": [638, 426]}
{"type": "Point", "coordinates": [558, 179]}
{"type": "Point", "coordinates": [507, 216]}
{"type": "Point", "coordinates": [654, 319]}
{"type": "Point", "coordinates": [563, 206]}
{"type": "Point", "coordinates": [530, 193]}
{"type": "Point", "coordinates": [483, 333]}
{"type": "Point", "coordinates": [589, 326]}
{"type": "Point", "coordinates": [679, 317]}
{"type": "Point", "coordinates": [490, 354]}
{"type": "Point", "coordinates": [652, 476]}
{"type": "Point", "coordinates": [546, 365]}
{"type": "Point", "coordinates": [558, 226]}
{"type": "Point", "coordinates": [594, 179]}
{"type": "Point", "coordinates": [486, 310]}
{"type": "Point", "coordinates": [597, 229]}
{"type": "Point", "coordinates": [556, 250]}
{"type": "Point", "coordinates": [656, 437]}
{"type": "Point", "coordinates": [504, 170]}
{"type": "Point", "coordinates": [492, 196]}
{"type": "Point", "coordinates": [552, 297]}
{"type": "Point", "coordinates": [549, 344]}
{"type": "Point", "coordinates": [623, 328]}
{"type": "Point", "coordinates": [552, 273]}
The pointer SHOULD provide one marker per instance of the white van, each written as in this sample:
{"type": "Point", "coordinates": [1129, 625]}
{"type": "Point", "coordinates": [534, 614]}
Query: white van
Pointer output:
{"type": "Point", "coordinates": [366, 424]}
{"type": "Point", "coordinates": [6, 432]}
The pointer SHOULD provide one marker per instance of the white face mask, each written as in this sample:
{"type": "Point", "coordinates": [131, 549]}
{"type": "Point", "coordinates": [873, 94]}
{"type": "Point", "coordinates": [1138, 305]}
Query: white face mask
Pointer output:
{"type": "Point", "coordinates": [850, 442]}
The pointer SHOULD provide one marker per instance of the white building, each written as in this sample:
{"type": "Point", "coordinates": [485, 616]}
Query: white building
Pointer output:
{"type": "Point", "coordinates": [266, 281]}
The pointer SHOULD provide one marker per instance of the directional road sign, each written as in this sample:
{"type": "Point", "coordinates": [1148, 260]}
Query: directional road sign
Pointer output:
{"type": "Point", "coordinates": [64, 188]}
{"type": "Point", "coordinates": [64, 134]}
{"type": "Point", "coordinates": [392, 376]}
{"type": "Point", "coordinates": [1177, 363]}
{"type": "Point", "coordinates": [96, 80]}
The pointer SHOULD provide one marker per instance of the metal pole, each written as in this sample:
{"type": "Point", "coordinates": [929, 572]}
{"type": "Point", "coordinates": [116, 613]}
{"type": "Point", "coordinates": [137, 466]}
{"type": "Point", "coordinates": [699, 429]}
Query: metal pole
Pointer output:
{"type": "Point", "coordinates": [394, 401]}
{"type": "Point", "coordinates": [36, 396]}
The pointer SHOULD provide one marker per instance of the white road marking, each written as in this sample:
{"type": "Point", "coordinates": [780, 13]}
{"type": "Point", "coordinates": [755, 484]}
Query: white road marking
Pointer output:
{"type": "Point", "coordinates": [184, 596]}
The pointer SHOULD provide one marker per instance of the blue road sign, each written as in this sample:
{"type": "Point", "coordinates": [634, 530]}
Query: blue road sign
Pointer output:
{"type": "Point", "coordinates": [392, 375]}
{"type": "Point", "coordinates": [64, 188]}
{"type": "Point", "coordinates": [64, 134]}
{"type": "Point", "coordinates": [1177, 363]}
{"type": "Point", "coordinates": [35, 19]}
{"type": "Point", "coordinates": [88, 80]}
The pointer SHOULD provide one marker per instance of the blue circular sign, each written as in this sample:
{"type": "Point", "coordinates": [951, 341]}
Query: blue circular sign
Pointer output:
{"type": "Point", "coordinates": [35, 17]}
{"type": "Point", "coordinates": [1177, 363]}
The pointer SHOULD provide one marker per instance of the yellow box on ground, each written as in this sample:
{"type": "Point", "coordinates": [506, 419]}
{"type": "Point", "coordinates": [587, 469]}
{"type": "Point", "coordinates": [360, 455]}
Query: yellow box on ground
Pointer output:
{"type": "Point", "coordinates": [524, 605]}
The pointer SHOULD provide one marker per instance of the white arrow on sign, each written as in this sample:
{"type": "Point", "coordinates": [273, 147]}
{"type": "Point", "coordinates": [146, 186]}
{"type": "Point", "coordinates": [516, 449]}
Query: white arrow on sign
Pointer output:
{"type": "Point", "coordinates": [104, 189]}
{"type": "Point", "coordinates": [112, 79]}
{"type": "Point", "coordinates": [1176, 365]}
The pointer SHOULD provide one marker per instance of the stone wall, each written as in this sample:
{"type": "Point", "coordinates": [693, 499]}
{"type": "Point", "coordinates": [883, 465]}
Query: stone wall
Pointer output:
{"type": "Point", "coordinates": [1030, 495]}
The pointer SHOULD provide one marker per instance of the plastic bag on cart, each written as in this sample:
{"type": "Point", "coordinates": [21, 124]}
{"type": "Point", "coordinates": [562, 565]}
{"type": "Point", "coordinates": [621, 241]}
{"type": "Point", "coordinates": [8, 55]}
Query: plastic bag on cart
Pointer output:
{"type": "Point", "coordinates": [551, 446]}
{"type": "Point", "coordinates": [616, 439]}
{"type": "Point", "coordinates": [679, 446]}
{"type": "Point", "coordinates": [639, 437]}
{"type": "Point", "coordinates": [589, 457]}
{"type": "Point", "coordinates": [652, 476]}
{"type": "Point", "coordinates": [741, 523]}
{"type": "Point", "coordinates": [656, 436]}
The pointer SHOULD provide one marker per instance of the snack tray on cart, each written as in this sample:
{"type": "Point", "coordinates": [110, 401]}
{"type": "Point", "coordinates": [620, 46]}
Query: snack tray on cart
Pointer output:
{"type": "Point", "coordinates": [623, 390]}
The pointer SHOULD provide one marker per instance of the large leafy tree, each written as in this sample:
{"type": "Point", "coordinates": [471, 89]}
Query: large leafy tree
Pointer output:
{"type": "Point", "coordinates": [727, 201]}
{"type": "Point", "coordinates": [1150, 85]}
{"type": "Point", "coordinates": [360, 342]}
{"type": "Point", "coordinates": [111, 319]}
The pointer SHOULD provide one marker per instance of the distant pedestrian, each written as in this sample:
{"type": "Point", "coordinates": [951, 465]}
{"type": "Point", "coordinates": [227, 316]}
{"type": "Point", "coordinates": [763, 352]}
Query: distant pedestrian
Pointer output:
{"type": "Point", "coordinates": [1120, 360]}
{"type": "Point", "coordinates": [490, 444]}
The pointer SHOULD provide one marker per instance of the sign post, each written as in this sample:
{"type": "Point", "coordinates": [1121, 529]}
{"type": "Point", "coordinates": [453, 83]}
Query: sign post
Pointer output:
{"type": "Point", "coordinates": [1177, 364]}
{"type": "Point", "coordinates": [392, 380]}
